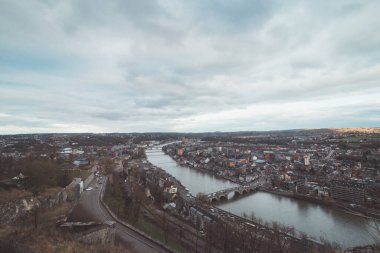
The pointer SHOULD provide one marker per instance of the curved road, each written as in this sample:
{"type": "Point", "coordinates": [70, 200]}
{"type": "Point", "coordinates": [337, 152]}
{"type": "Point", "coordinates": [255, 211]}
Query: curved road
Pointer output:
{"type": "Point", "coordinates": [90, 200]}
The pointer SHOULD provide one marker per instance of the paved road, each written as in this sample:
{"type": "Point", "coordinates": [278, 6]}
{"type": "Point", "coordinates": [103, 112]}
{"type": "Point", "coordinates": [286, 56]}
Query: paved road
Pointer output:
{"type": "Point", "coordinates": [91, 201]}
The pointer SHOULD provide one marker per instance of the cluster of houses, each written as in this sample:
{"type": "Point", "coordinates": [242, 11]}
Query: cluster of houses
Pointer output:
{"type": "Point", "coordinates": [171, 190]}
{"type": "Point", "coordinates": [322, 170]}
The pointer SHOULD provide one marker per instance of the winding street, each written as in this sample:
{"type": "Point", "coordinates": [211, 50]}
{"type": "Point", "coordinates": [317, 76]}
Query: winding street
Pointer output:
{"type": "Point", "coordinates": [90, 200]}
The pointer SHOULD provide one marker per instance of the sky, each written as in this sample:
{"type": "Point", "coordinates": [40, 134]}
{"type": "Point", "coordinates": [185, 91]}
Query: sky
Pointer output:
{"type": "Point", "coordinates": [188, 66]}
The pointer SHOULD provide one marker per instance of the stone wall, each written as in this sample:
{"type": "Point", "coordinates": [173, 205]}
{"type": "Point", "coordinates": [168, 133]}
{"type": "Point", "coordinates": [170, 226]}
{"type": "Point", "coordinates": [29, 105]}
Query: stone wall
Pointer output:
{"type": "Point", "coordinates": [88, 180]}
{"type": "Point", "coordinates": [104, 234]}
{"type": "Point", "coordinates": [12, 211]}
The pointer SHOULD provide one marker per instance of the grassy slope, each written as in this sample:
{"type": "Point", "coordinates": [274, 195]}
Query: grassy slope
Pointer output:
{"type": "Point", "coordinates": [142, 224]}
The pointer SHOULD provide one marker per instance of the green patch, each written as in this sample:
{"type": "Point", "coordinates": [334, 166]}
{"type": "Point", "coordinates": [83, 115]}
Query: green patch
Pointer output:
{"type": "Point", "coordinates": [85, 173]}
{"type": "Point", "coordinates": [157, 233]}
{"type": "Point", "coordinates": [50, 216]}
{"type": "Point", "coordinates": [78, 172]}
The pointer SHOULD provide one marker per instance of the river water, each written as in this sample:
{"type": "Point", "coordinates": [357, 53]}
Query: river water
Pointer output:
{"type": "Point", "coordinates": [194, 180]}
{"type": "Point", "coordinates": [313, 219]}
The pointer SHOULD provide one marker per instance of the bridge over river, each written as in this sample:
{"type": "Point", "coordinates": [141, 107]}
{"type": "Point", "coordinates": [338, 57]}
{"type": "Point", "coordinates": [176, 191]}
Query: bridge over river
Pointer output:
{"type": "Point", "coordinates": [238, 190]}
{"type": "Point", "coordinates": [313, 219]}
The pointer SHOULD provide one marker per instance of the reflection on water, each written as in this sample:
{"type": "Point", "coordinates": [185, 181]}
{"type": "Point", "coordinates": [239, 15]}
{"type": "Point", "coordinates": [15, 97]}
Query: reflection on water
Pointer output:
{"type": "Point", "coordinates": [315, 220]}
{"type": "Point", "coordinates": [195, 180]}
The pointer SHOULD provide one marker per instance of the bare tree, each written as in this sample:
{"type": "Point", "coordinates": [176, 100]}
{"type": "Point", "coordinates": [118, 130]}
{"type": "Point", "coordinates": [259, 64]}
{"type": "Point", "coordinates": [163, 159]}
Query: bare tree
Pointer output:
{"type": "Point", "coordinates": [108, 165]}
{"type": "Point", "coordinates": [201, 199]}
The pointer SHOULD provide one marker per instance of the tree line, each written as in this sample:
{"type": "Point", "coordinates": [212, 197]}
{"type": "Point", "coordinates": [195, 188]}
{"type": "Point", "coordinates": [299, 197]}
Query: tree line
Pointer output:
{"type": "Point", "coordinates": [40, 173]}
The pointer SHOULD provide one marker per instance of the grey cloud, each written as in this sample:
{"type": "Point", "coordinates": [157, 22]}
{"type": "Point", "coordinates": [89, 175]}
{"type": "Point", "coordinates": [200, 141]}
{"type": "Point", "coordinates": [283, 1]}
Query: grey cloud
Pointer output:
{"type": "Point", "coordinates": [131, 65]}
{"type": "Point", "coordinates": [109, 115]}
{"type": "Point", "coordinates": [233, 17]}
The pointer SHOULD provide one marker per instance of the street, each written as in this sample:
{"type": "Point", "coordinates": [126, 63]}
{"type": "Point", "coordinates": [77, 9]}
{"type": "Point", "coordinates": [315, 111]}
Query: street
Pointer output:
{"type": "Point", "coordinates": [90, 200]}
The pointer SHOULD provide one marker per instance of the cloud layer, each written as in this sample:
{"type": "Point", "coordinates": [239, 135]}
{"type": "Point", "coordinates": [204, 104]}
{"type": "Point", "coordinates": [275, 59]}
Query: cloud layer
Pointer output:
{"type": "Point", "coordinates": [137, 66]}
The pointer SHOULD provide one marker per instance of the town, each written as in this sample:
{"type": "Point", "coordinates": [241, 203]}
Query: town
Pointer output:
{"type": "Point", "coordinates": [341, 168]}
{"type": "Point", "coordinates": [336, 168]}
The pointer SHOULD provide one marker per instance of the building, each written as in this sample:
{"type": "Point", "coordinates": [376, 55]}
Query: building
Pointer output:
{"type": "Point", "coordinates": [307, 160]}
{"type": "Point", "coordinates": [67, 151]}
{"type": "Point", "coordinates": [172, 189]}
{"type": "Point", "coordinates": [198, 218]}
{"type": "Point", "coordinates": [269, 155]}
{"type": "Point", "coordinates": [81, 162]}
{"type": "Point", "coordinates": [180, 151]}
{"type": "Point", "coordinates": [300, 185]}
{"type": "Point", "coordinates": [348, 191]}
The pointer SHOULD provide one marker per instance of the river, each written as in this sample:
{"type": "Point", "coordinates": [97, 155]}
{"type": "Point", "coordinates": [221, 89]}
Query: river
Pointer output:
{"type": "Point", "coordinates": [313, 219]}
{"type": "Point", "coordinates": [194, 180]}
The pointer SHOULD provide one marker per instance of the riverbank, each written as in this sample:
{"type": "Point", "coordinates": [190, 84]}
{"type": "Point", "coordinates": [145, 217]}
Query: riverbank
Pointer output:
{"type": "Point", "coordinates": [211, 173]}
{"type": "Point", "coordinates": [193, 179]}
{"type": "Point", "coordinates": [346, 229]}
{"type": "Point", "coordinates": [332, 204]}
{"type": "Point", "coordinates": [342, 206]}
{"type": "Point", "coordinates": [199, 213]}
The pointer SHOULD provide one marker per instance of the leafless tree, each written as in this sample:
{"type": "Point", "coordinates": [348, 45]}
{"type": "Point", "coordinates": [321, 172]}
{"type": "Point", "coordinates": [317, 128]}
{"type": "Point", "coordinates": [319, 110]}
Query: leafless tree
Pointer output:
{"type": "Point", "coordinates": [201, 199]}
{"type": "Point", "coordinates": [108, 165]}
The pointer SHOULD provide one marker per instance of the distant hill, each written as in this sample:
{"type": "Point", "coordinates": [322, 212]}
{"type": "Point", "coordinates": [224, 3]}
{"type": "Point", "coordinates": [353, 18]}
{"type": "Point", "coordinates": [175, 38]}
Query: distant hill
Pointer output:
{"type": "Point", "coordinates": [357, 130]}
{"type": "Point", "coordinates": [166, 135]}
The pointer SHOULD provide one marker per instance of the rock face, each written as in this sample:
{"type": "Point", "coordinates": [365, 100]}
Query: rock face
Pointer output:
{"type": "Point", "coordinates": [103, 233]}
{"type": "Point", "coordinates": [12, 211]}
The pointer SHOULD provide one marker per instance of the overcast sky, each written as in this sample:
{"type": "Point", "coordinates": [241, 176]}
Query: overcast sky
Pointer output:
{"type": "Point", "coordinates": [140, 66]}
